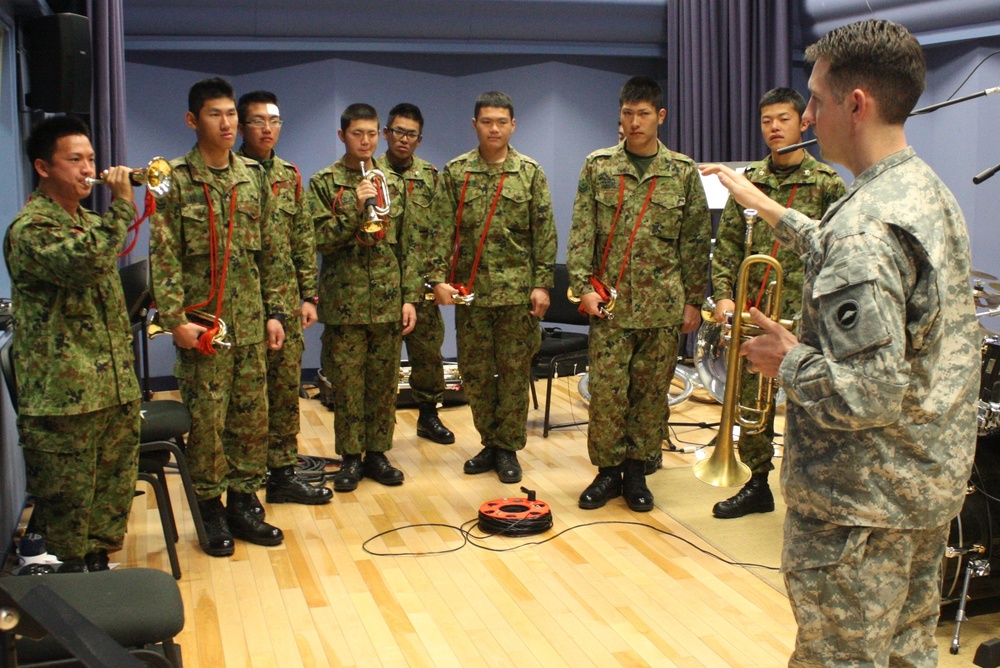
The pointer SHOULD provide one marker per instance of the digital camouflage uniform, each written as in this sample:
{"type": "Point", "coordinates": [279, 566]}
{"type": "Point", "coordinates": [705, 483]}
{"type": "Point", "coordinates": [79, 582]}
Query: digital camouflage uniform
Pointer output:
{"type": "Point", "coordinates": [78, 397]}
{"type": "Point", "coordinates": [225, 392]}
{"type": "Point", "coordinates": [294, 256]}
{"type": "Point", "coordinates": [881, 422]}
{"type": "Point", "coordinates": [815, 186]}
{"type": "Point", "coordinates": [632, 357]}
{"type": "Point", "coordinates": [497, 336]}
{"type": "Point", "coordinates": [363, 285]}
{"type": "Point", "coordinates": [411, 193]}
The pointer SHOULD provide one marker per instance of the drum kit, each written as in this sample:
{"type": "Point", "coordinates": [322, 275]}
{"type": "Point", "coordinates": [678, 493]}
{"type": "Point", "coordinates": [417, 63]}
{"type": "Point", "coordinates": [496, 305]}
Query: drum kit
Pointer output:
{"type": "Point", "coordinates": [973, 549]}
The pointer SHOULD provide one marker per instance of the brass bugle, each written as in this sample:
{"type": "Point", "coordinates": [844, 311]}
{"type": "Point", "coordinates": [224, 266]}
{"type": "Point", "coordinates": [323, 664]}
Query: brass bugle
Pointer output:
{"type": "Point", "coordinates": [461, 298]}
{"type": "Point", "coordinates": [723, 469]}
{"type": "Point", "coordinates": [608, 293]}
{"type": "Point", "coordinates": [378, 206]}
{"type": "Point", "coordinates": [156, 176]}
{"type": "Point", "coordinates": [154, 328]}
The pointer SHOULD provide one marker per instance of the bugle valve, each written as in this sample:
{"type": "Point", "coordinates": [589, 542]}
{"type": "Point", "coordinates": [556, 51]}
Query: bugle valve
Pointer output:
{"type": "Point", "coordinates": [462, 296]}
{"type": "Point", "coordinates": [378, 206]}
{"type": "Point", "coordinates": [206, 320]}
{"type": "Point", "coordinates": [723, 469]}
{"type": "Point", "coordinates": [607, 294]}
{"type": "Point", "coordinates": [156, 176]}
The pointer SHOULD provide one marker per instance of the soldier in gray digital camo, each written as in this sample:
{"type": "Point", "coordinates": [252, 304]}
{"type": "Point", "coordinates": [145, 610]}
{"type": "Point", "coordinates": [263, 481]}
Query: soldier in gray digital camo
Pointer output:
{"type": "Point", "coordinates": [800, 182]}
{"type": "Point", "coordinates": [883, 379]}
{"type": "Point", "coordinates": [77, 394]}
{"type": "Point", "coordinates": [411, 182]}
{"type": "Point", "coordinates": [640, 226]}
{"type": "Point", "coordinates": [367, 291]}
{"type": "Point", "coordinates": [210, 249]}
{"type": "Point", "coordinates": [294, 254]}
{"type": "Point", "coordinates": [497, 241]}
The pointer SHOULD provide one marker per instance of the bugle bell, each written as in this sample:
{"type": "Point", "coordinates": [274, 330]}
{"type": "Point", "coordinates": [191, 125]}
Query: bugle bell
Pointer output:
{"type": "Point", "coordinates": [723, 469]}
{"type": "Point", "coordinates": [206, 320]}
{"type": "Point", "coordinates": [156, 176]}
{"type": "Point", "coordinates": [607, 294]}
{"type": "Point", "coordinates": [378, 206]}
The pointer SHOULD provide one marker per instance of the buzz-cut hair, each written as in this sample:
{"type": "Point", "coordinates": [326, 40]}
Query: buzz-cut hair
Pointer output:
{"type": "Point", "coordinates": [359, 111]}
{"type": "Point", "coordinates": [494, 98]}
{"type": "Point", "coordinates": [878, 56]}
{"type": "Point", "coordinates": [41, 142]}
{"type": "Point", "coordinates": [254, 97]}
{"type": "Point", "coordinates": [641, 89]}
{"type": "Point", "coordinates": [783, 96]}
{"type": "Point", "coordinates": [406, 110]}
{"type": "Point", "coordinates": [209, 89]}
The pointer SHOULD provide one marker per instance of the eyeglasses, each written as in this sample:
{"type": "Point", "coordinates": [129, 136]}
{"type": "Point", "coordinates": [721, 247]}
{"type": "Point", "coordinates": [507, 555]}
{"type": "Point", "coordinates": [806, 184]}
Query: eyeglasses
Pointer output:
{"type": "Point", "coordinates": [399, 134]}
{"type": "Point", "coordinates": [261, 122]}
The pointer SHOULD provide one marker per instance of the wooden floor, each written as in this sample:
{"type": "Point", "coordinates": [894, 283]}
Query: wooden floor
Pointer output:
{"type": "Point", "coordinates": [611, 594]}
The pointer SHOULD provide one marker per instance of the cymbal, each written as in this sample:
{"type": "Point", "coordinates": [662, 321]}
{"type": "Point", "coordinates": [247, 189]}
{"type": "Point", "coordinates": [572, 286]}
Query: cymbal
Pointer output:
{"type": "Point", "coordinates": [994, 286]}
{"type": "Point", "coordinates": [975, 273]}
{"type": "Point", "coordinates": [985, 299]}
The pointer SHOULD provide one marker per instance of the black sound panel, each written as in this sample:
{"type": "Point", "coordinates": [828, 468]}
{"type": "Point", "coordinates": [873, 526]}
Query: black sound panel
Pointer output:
{"type": "Point", "coordinates": [57, 51]}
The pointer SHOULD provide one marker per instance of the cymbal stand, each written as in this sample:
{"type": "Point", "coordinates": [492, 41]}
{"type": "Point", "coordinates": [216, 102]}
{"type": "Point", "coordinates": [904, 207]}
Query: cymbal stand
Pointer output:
{"type": "Point", "coordinates": [978, 567]}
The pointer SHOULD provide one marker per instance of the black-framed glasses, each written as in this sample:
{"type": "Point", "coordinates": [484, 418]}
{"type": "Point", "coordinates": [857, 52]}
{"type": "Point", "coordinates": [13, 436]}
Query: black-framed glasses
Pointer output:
{"type": "Point", "coordinates": [399, 134]}
{"type": "Point", "coordinates": [261, 122]}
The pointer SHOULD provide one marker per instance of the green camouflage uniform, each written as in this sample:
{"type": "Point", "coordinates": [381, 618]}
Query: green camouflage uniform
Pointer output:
{"type": "Point", "coordinates": [364, 283]}
{"type": "Point", "coordinates": [497, 336]}
{"type": "Point", "coordinates": [411, 193]}
{"type": "Point", "coordinates": [815, 186]}
{"type": "Point", "coordinates": [78, 397]}
{"type": "Point", "coordinates": [225, 392]}
{"type": "Point", "coordinates": [881, 424]}
{"type": "Point", "coordinates": [294, 254]}
{"type": "Point", "coordinates": [632, 357]}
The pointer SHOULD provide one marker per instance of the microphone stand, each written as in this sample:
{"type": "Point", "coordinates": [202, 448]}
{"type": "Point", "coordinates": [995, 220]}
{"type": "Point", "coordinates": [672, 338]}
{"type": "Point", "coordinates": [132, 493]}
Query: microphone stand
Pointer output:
{"type": "Point", "coordinates": [919, 112]}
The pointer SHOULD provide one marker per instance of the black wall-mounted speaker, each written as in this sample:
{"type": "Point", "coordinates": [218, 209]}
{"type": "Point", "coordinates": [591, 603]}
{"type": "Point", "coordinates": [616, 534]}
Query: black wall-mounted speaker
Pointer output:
{"type": "Point", "coordinates": [57, 51]}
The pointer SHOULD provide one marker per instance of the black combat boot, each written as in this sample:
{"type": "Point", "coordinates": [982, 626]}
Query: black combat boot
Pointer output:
{"type": "Point", "coordinates": [349, 475]}
{"type": "Point", "coordinates": [429, 425]}
{"type": "Point", "coordinates": [485, 461]}
{"type": "Point", "coordinates": [507, 467]}
{"type": "Point", "coordinates": [219, 539]}
{"type": "Point", "coordinates": [97, 561]}
{"type": "Point", "coordinates": [755, 497]}
{"type": "Point", "coordinates": [651, 466]}
{"type": "Point", "coordinates": [284, 486]}
{"type": "Point", "coordinates": [606, 486]}
{"type": "Point", "coordinates": [246, 525]}
{"type": "Point", "coordinates": [377, 467]}
{"type": "Point", "coordinates": [634, 489]}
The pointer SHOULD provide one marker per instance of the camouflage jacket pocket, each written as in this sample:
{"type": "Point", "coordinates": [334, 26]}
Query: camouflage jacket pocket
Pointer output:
{"type": "Point", "coordinates": [849, 307]}
{"type": "Point", "coordinates": [666, 210]}
{"type": "Point", "coordinates": [194, 228]}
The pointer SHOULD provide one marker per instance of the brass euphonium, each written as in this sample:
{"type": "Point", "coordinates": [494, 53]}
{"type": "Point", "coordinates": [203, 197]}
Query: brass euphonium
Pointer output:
{"type": "Point", "coordinates": [723, 469]}
{"type": "Point", "coordinates": [206, 320]}
{"type": "Point", "coordinates": [156, 175]}
{"type": "Point", "coordinates": [378, 206]}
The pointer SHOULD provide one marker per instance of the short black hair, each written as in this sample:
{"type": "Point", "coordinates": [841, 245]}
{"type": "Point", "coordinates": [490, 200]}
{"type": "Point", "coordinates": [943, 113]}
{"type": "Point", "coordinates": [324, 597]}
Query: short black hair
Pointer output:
{"type": "Point", "coordinates": [209, 89]}
{"type": "Point", "coordinates": [406, 110]}
{"type": "Point", "coordinates": [359, 111]}
{"type": "Point", "coordinates": [880, 57]}
{"type": "Point", "coordinates": [494, 98]}
{"type": "Point", "coordinates": [42, 140]}
{"type": "Point", "coordinates": [254, 97]}
{"type": "Point", "coordinates": [641, 89]}
{"type": "Point", "coordinates": [783, 96]}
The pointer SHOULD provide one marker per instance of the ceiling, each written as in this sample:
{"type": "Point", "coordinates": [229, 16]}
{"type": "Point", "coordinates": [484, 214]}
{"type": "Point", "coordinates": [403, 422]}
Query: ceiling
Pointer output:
{"type": "Point", "coordinates": [445, 36]}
